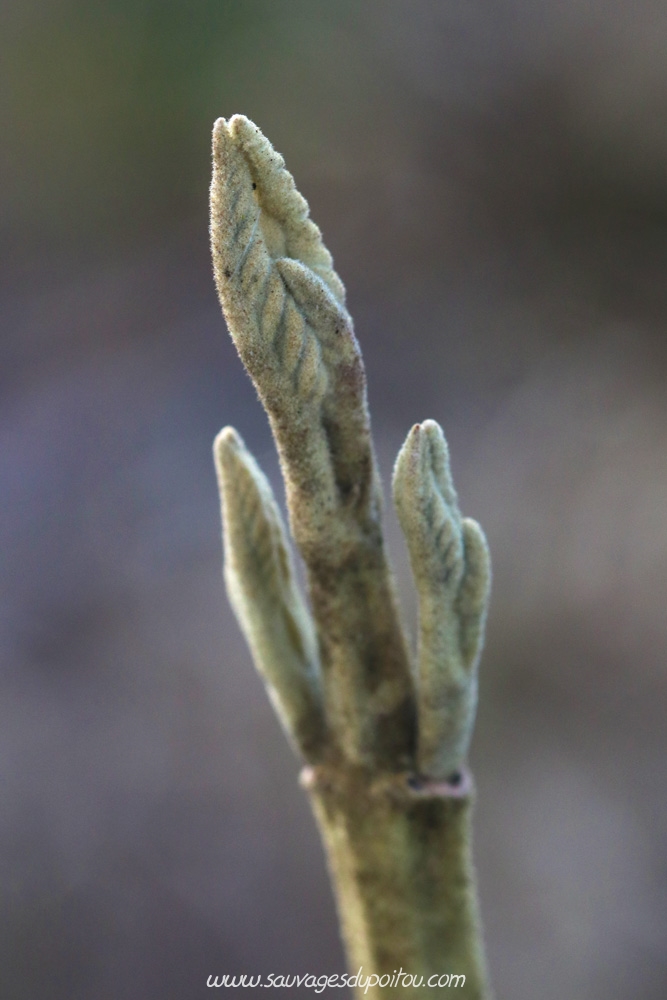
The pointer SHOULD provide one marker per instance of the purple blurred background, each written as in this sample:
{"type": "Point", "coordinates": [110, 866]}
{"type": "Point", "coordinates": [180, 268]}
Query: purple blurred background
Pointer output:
{"type": "Point", "coordinates": [492, 181]}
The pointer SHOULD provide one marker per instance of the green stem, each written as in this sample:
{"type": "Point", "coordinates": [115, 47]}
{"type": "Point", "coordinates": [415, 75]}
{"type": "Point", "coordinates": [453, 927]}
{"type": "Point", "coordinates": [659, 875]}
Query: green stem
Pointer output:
{"type": "Point", "coordinates": [400, 860]}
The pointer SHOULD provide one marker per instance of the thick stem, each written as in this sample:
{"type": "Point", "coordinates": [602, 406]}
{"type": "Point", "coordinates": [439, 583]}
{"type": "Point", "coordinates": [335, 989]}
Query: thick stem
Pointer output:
{"type": "Point", "coordinates": [399, 854]}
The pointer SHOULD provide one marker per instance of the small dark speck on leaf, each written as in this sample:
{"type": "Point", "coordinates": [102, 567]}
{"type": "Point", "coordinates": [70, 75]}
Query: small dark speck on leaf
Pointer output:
{"type": "Point", "coordinates": [254, 186]}
{"type": "Point", "coordinates": [228, 273]}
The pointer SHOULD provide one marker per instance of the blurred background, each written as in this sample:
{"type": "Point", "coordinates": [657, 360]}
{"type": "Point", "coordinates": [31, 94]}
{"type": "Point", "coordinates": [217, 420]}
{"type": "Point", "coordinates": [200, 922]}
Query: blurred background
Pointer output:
{"type": "Point", "coordinates": [491, 178]}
